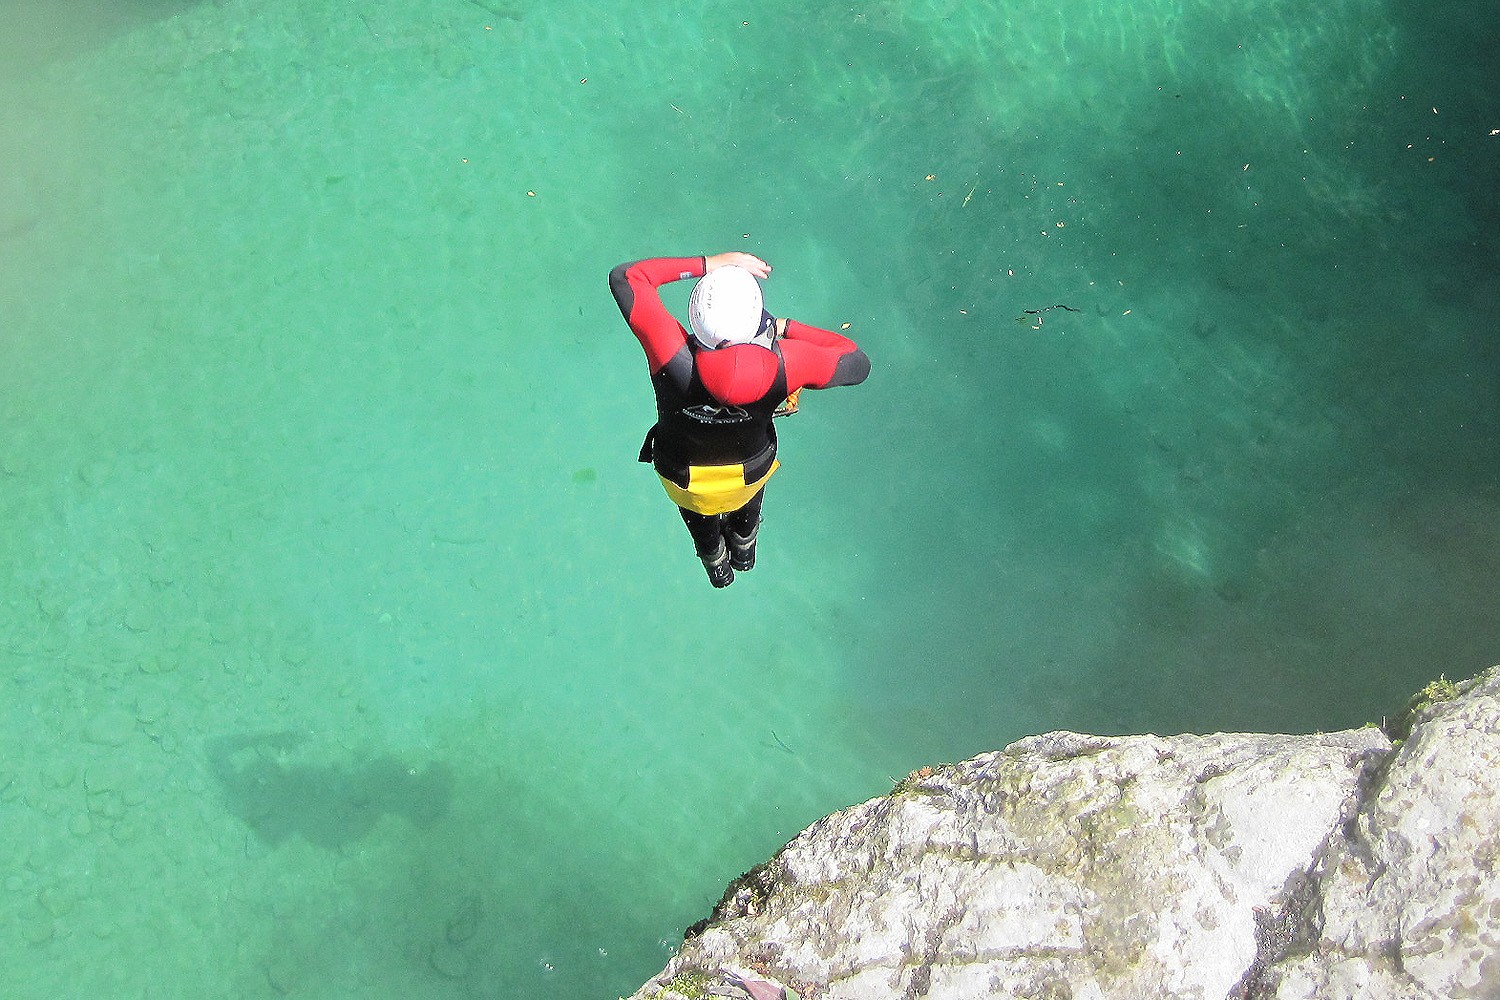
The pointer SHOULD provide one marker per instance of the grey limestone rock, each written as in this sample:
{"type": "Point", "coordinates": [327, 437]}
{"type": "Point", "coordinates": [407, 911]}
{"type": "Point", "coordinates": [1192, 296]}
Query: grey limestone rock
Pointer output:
{"type": "Point", "coordinates": [1353, 864]}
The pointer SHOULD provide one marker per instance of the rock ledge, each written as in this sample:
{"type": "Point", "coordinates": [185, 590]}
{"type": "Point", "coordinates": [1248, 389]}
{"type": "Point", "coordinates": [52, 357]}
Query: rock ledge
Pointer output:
{"type": "Point", "coordinates": [1354, 864]}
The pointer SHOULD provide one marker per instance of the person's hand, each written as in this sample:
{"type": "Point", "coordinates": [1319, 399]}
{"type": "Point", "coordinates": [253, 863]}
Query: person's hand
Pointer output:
{"type": "Point", "coordinates": [748, 261]}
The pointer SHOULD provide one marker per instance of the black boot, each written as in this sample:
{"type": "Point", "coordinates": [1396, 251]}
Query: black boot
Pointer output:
{"type": "Point", "coordinates": [741, 548]}
{"type": "Point", "coordinates": [720, 572]}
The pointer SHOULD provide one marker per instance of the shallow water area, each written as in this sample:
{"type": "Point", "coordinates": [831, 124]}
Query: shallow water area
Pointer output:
{"type": "Point", "coordinates": [347, 650]}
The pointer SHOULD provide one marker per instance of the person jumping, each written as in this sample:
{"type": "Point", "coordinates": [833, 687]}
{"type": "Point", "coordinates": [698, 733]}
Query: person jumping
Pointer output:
{"type": "Point", "coordinates": [714, 444]}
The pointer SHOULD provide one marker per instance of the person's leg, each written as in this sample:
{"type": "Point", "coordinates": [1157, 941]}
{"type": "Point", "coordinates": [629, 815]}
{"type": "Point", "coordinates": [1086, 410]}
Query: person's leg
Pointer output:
{"type": "Point", "coordinates": [740, 530]}
{"type": "Point", "coordinates": [708, 541]}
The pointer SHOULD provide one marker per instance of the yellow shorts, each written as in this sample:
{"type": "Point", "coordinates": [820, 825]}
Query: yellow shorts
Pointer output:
{"type": "Point", "coordinates": [716, 489]}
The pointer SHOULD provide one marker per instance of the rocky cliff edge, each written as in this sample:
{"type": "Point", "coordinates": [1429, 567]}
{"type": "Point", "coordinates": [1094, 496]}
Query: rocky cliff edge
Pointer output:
{"type": "Point", "coordinates": [1341, 865]}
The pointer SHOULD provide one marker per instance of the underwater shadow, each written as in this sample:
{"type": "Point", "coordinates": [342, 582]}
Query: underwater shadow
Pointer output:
{"type": "Point", "coordinates": [269, 785]}
{"type": "Point", "coordinates": [1276, 259]}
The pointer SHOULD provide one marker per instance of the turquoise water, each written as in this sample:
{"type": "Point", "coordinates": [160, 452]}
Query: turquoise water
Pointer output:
{"type": "Point", "coordinates": [348, 652]}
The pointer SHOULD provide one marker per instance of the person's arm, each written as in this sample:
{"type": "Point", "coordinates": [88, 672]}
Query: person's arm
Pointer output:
{"type": "Point", "coordinates": [821, 359]}
{"type": "Point", "coordinates": [635, 285]}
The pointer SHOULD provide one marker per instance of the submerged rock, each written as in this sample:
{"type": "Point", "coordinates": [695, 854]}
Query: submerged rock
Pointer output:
{"type": "Point", "coordinates": [1354, 864]}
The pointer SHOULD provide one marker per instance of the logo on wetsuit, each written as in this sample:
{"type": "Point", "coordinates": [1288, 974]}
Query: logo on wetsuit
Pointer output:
{"type": "Point", "coordinates": [708, 413]}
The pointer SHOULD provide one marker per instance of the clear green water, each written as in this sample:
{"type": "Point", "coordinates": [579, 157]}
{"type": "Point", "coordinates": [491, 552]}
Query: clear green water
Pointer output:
{"type": "Point", "coordinates": [348, 653]}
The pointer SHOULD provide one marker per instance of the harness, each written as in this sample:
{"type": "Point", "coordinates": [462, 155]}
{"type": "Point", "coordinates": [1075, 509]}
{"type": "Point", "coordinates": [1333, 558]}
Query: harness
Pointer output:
{"type": "Point", "coordinates": [696, 440]}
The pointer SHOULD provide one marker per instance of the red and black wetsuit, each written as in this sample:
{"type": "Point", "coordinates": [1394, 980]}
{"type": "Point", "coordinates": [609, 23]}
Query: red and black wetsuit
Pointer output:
{"type": "Point", "coordinates": [714, 407]}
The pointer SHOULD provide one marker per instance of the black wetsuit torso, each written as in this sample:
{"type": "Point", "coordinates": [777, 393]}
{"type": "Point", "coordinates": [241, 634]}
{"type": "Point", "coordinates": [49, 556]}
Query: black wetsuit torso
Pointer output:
{"type": "Point", "coordinates": [694, 428]}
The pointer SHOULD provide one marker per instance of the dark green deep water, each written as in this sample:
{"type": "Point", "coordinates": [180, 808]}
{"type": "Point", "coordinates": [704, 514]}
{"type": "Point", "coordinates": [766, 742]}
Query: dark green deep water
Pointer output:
{"type": "Point", "coordinates": [348, 653]}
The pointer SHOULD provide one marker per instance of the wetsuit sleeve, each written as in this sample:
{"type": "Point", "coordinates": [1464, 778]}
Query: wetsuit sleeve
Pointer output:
{"type": "Point", "coordinates": [634, 286]}
{"type": "Point", "coordinates": [821, 359]}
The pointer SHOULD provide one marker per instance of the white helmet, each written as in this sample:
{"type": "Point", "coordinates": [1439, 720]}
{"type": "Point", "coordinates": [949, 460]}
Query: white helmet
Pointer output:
{"type": "Point", "coordinates": [726, 308]}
